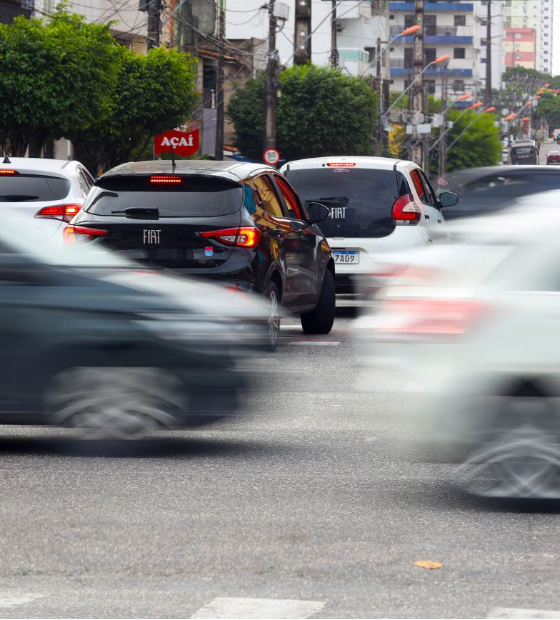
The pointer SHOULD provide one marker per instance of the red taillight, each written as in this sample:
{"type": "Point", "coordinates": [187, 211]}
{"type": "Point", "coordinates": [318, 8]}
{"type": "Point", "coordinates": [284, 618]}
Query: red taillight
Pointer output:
{"type": "Point", "coordinates": [8, 173]}
{"type": "Point", "coordinates": [406, 211]}
{"type": "Point", "coordinates": [80, 234]}
{"type": "Point", "coordinates": [244, 237]}
{"type": "Point", "coordinates": [427, 316]}
{"type": "Point", "coordinates": [340, 164]}
{"type": "Point", "coordinates": [165, 179]}
{"type": "Point", "coordinates": [59, 212]}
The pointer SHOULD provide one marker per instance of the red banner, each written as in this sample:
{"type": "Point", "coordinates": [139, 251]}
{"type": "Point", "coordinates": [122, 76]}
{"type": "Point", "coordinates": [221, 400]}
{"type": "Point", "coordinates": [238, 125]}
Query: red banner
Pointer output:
{"type": "Point", "coordinates": [180, 142]}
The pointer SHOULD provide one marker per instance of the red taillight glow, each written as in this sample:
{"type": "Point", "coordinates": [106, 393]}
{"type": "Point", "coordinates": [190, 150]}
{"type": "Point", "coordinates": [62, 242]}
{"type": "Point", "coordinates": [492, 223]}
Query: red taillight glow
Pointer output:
{"type": "Point", "coordinates": [244, 237]}
{"type": "Point", "coordinates": [340, 164]}
{"type": "Point", "coordinates": [405, 210]}
{"type": "Point", "coordinates": [8, 173]}
{"type": "Point", "coordinates": [59, 212]}
{"type": "Point", "coordinates": [80, 234]}
{"type": "Point", "coordinates": [165, 179]}
{"type": "Point", "coordinates": [428, 317]}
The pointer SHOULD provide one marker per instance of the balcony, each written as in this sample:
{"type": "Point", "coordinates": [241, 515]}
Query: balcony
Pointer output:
{"type": "Point", "coordinates": [443, 31]}
{"type": "Point", "coordinates": [430, 7]}
{"type": "Point", "coordinates": [432, 72]}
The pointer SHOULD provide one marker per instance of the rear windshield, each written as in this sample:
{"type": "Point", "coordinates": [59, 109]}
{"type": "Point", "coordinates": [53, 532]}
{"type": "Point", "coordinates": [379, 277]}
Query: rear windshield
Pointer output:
{"type": "Point", "coordinates": [32, 188]}
{"type": "Point", "coordinates": [360, 199]}
{"type": "Point", "coordinates": [191, 197]}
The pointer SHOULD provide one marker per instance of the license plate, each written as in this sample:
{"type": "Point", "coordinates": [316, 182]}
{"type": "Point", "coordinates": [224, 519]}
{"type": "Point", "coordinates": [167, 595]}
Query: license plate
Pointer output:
{"type": "Point", "coordinates": [346, 257]}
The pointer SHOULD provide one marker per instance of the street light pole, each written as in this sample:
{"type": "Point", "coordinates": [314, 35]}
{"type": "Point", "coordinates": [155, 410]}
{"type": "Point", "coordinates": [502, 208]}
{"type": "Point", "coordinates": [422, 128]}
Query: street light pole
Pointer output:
{"type": "Point", "coordinates": [334, 44]}
{"type": "Point", "coordinates": [271, 92]}
{"type": "Point", "coordinates": [416, 99]}
{"type": "Point", "coordinates": [219, 151]}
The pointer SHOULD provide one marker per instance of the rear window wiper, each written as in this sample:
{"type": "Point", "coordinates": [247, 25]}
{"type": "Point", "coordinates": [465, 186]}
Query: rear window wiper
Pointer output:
{"type": "Point", "coordinates": [17, 197]}
{"type": "Point", "coordinates": [139, 212]}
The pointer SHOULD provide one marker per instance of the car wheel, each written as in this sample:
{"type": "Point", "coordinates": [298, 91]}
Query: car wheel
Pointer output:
{"type": "Point", "coordinates": [320, 320]}
{"type": "Point", "coordinates": [115, 403]}
{"type": "Point", "coordinates": [273, 297]}
{"type": "Point", "coordinates": [519, 457]}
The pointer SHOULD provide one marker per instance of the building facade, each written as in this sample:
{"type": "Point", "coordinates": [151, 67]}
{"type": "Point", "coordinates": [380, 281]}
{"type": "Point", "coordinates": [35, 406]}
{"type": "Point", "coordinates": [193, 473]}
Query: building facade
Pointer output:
{"type": "Point", "coordinates": [520, 46]}
{"type": "Point", "coordinates": [455, 29]}
{"type": "Point", "coordinates": [537, 15]}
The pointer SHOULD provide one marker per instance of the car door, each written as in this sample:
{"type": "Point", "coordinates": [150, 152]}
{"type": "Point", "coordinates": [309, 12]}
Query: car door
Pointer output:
{"type": "Point", "coordinates": [430, 222]}
{"type": "Point", "coordinates": [440, 232]}
{"type": "Point", "coordinates": [307, 243]}
{"type": "Point", "coordinates": [279, 236]}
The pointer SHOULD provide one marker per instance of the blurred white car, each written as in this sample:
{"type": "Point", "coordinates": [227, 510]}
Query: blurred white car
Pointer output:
{"type": "Point", "coordinates": [377, 205]}
{"type": "Point", "coordinates": [474, 329]}
{"type": "Point", "coordinates": [50, 191]}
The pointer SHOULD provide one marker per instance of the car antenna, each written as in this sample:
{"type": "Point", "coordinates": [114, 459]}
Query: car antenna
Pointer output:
{"type": "Point", "coordinates": [6, 160]}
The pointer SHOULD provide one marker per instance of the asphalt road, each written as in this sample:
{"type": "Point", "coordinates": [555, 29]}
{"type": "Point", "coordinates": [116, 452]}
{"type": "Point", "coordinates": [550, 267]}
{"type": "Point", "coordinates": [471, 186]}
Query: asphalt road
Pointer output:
{"type": "Point", "coordinates": [313, 505]}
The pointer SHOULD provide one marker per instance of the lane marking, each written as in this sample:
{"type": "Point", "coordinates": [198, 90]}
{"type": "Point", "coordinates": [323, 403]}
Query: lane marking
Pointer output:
{"type": "Point", "coordinates": [225, 607]}
{"type": "Point", "coordinates": [513, 612]}
{"type": "Point", "coordinates": [8, 599]}
{"type": "Point", "coordinates": [314, 343]}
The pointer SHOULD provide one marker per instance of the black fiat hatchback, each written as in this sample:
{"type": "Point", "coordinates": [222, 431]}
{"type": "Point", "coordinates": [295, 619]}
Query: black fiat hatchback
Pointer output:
{"type": "Point", "coordinates": [241, 224]}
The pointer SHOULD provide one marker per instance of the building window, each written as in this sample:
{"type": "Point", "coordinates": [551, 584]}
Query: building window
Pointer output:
{"type": "Point", "coordinates": [408, 57]}
{"type": "Point", "coordinates": [391, 17]}
{"type": "Point", "coordinates": [458, 85]}
{"type": "Point", "coordinates": [518, 35]}
{"type": "Point", "coordinates": [458, 52]}
{"type": "Point", "coordinates": [431, 86]}
{"type": "Point", "coordinates": [483, 60]}
{"type": "Point", "coordinates": [430, 54]}
{"type": "Point", "coordinates": [430, 25]}
{"type": "Point", "coordinates": [408, 21]}
{"type": "Point", "coordinates": [459, 20]}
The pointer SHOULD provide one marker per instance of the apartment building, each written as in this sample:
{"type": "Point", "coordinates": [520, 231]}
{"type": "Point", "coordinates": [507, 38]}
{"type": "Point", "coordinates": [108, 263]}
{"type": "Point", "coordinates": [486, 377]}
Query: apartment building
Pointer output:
{"type": "Point", "coordinates": [539, 16]}
{"type": "Point", "coordinates": [456, 29]}
{"type": "Point", "coordinates": [520, 46]}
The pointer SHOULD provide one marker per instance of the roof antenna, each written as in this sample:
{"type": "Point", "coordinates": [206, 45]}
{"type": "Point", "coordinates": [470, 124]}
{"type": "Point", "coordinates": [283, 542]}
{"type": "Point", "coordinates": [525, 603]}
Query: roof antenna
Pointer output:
{"type": "Point", "coordinates": [6, 160]}
{"type": "Point", "coordinates": [173, 164]}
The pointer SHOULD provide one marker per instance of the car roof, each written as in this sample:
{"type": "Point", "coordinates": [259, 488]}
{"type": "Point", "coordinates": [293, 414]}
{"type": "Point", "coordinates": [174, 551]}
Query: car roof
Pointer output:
{"type": "Point", "coordinates": [227, 169]}
{"type": "Point", "coordinates": [379, 163]}
{"type": "Point", "coordinates": [39, 164]}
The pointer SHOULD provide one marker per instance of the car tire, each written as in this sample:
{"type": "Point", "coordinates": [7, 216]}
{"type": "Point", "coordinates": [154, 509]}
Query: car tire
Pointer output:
{"type": "Point", "coordinates": [273, 297]}
{"type": "Point", "coordinates": [320, 320]}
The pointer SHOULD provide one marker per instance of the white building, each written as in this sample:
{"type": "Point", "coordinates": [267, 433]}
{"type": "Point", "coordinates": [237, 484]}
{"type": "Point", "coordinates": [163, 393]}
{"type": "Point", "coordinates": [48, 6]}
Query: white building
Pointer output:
{"type": "Point", "coordinates": [456, 29]}
{"type": "Point", "coordinates": [537, 14]}
{"type": "Point", "coordinates": [358, 27]}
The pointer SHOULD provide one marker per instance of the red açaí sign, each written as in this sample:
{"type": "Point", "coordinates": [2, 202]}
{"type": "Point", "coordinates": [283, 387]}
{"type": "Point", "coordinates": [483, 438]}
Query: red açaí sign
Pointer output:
{"type": "Point", "coordinates": [180, 142]}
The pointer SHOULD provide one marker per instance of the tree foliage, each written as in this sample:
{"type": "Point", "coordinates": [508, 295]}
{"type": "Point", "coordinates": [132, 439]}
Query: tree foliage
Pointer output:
{"type": "Point", "coordinates": [65, 77]}
{"type": "Point", "coordinates": [549, 109]}
{"type": "Point", "coordinates": [321, 111]}
{"type": "Point", "coordinates": [478, 146]}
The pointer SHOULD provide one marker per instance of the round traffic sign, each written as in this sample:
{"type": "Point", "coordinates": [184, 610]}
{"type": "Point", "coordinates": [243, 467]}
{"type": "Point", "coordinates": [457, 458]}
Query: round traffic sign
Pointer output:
{"type": "Point", "coordinates": [271, 156]}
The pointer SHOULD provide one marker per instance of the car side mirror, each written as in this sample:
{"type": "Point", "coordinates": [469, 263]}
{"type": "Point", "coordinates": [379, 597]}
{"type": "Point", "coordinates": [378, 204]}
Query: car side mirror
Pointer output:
{"type": "Point", "coordinates": [448, 199]}
{"type": "Point", "coordinates": [317, 212]}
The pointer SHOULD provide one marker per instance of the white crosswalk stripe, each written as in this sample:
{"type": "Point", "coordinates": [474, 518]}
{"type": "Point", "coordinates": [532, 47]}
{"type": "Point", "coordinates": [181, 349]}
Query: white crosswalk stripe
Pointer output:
{"type": "Point", "coordinates": [513, 612]}
{"type": "Point", "coordinates": [265, 608]}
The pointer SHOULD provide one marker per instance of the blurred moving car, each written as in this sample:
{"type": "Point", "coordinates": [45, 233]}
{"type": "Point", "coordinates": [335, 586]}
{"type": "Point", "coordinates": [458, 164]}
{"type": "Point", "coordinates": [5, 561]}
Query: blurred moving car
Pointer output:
{"type": "Point", "coordinates": [553, 158]}
{"type": "Point", "coordinates": [475, 327]}
{"type": "Point", "coordinates": [493, 188]}
{"type": "Point", "coordinates": [50, 190]}
{"type": "Point", "coordinates": [240, 224]}
{"type": "Point", "coordinates": [90, 341]}
{"type": "Point", "coordinates": [376, 205]}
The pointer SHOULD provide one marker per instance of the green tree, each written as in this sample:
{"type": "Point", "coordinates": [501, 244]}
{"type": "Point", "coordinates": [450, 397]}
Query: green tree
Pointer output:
{"type": "Point", "coordinates": [479, 145]}
{"type": "Point", "coordinates": [155, 93]}
{"type": "Point", "coordinates": [549, 109]}
{"type": "Point", "coordinates": [57, 75]}
{"type": "Point", "coordinates": [321, 111]}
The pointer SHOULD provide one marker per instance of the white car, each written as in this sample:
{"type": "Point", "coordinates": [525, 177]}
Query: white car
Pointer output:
{"type": "Point", "coordinates": [377, 205]}
{"type": "Point", "coordinates": [473, 329]}
{"type": "Point", "coordinates": [50, 191]}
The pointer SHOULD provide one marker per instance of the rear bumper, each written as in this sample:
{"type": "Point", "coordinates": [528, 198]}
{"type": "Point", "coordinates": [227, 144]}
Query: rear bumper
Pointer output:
{"type": "Point", "coordinates": [344, 284]}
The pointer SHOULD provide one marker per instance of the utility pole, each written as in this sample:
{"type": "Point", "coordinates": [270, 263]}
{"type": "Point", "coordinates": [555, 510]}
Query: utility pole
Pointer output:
{"type": "Point", "coordinates": [220, 94]}
{"type": "Point", "coordinates": [442, 130]}
{"type": "Point", "coordinates": [154, 23]}
{"type": "Point", "coordinates": [302, 35]}
{"type": "Point", "coordinates": [379, 125]}
{"type": "Point", "coordinates": [488, 97]}
{"type": "Point", "coordinates": [334, 45]}
{"type": "Point", "coordinates": [271, 70]}
{"type": "Point", "coordinates": [416, 98]}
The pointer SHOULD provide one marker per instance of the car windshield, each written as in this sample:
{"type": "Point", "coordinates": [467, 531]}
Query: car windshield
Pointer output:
{"type": "Point", "coordinates": [360, 199]}
{"type": "Point", "coordinates": [32, 188]}
{"type": "Point", "coordinates": [189, 196]}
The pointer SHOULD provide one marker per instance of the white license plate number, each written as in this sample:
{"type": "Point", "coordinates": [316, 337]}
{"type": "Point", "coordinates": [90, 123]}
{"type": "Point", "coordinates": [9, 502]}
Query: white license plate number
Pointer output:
{"type": "Point", "coordinates": [348, 258]}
